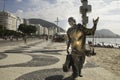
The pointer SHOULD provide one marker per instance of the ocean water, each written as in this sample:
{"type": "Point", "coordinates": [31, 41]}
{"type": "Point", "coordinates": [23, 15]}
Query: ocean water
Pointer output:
{"type": "Point", "coordinates": [105, 40]}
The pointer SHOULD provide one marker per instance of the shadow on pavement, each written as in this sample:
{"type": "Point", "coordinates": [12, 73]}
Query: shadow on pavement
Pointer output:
{"type": "Point", "coordinates": [46, 74]}
{"type": "Point", "coordinates": [58, 77]}
{"type": "Point", "coordinates": [55, 77]}
{"type": "Point", "coordinates": [68, 78]}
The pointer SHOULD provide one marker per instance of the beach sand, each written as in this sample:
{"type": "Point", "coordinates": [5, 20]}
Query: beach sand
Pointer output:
{"type": "Point", "coordinates": [108, 58]}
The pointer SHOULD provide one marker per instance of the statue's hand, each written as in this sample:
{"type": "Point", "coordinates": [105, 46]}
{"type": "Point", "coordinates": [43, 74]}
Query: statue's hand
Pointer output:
{"type": "Point", "coordinates": [96, 21]}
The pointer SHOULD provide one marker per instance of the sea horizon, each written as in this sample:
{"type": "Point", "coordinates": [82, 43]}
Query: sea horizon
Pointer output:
{"type": "Point", "coordinates": [105, 40]}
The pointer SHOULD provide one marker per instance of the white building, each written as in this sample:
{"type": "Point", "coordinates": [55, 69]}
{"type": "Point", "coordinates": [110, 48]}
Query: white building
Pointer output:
{"type": "Point", "coordinates": [39, 29]}
{"type": "Point", "coordinates": [19, 21]}
{"type": "Point", "coordinates": [9, 20]}
{"type": "Point", "coordinates": [45, 30]}
{"type": "Point", "coordinates": [26, 21]}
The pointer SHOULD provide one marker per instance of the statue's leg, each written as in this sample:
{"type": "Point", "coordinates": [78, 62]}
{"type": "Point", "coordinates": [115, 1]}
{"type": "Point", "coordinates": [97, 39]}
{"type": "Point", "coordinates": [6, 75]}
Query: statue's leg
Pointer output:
{"type": "Point", "coordinates": [81, 62]}
{"type": "Point", "coordinates": [75, 69]}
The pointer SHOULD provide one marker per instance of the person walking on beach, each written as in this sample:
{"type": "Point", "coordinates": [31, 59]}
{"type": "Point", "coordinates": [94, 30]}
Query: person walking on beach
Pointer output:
{"type": "Point", "coordinates": [76, 38]}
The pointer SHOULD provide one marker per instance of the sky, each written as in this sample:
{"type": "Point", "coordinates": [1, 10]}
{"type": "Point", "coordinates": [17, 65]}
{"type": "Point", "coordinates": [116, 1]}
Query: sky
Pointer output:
{"type": "Point", "coordinates": [107, 10]}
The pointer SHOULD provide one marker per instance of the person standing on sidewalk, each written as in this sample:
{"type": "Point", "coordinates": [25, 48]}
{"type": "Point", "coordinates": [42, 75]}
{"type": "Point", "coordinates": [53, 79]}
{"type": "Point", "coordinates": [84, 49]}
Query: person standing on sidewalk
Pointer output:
{"type": "Point", "coordinates": [25, 38]}
{"type": "Point", "coordinates": [76, 38]}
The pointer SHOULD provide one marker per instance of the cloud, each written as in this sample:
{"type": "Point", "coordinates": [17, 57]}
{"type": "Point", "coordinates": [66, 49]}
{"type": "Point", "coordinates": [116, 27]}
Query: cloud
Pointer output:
{"type": "Point", "coordinates": [43, 9]}
{"type": "Point", "coordinates": [107, 10]}
{"type": "Point", "coordinates": [19, 0]}
{"type": "Point", "coordinates": [19, 13]}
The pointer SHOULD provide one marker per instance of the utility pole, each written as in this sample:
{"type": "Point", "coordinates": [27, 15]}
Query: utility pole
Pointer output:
{"type": "Point", "coordinates": [4, 14]}
{"type": "Point", "coordinates": [57, 21]}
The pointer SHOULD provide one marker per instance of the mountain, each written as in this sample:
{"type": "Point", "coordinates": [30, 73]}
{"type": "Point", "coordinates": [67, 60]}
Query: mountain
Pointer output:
{"type": "Point", "coordinates": [106, 33]}
{"type": "Point", "coordinates": [103, 33]}
{"type": "Point", "coordinates": [44, 23]}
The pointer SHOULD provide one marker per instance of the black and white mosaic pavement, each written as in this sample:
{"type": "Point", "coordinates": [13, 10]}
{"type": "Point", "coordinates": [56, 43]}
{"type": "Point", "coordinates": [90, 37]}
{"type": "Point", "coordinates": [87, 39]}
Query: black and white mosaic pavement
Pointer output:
{"type": "Point", "coordinates": [33, 44]}
{"type": "Point", "coordinates": [47, 74]}
{"type": "Point", "coordinates": [21, 48]}
{"type": "Point", "coordinates": [2, 55]}
{"type": "Point", "coordinates": [15, 50]}
{"type": "Point", "coordinates": [53, 51]}
{"type": "Point", "coordinates": [38, 60]}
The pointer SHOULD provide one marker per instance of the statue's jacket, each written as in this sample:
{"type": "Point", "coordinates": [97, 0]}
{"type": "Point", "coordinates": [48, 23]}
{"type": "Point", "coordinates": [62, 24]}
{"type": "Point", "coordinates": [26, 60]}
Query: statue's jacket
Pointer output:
{"type": "Point", "coordinates": [76, 37]}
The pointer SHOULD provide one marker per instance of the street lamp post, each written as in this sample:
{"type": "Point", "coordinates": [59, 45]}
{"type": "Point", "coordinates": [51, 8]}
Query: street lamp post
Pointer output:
{"type": "Point", "coordinates": [3, 18]}
{"type": "Point", "coordinates": [84, 9]}
{"type": "Point", "coordinates": [4, 6]}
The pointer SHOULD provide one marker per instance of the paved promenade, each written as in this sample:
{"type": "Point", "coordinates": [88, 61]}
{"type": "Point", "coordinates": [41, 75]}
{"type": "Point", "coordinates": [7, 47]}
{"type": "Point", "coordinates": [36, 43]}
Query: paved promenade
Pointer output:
{"type": "Point", "coordinates": [43, 60]}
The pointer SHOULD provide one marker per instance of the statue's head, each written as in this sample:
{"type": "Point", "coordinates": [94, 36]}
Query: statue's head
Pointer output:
{"type": "Point", "coordinates": [71, 21]}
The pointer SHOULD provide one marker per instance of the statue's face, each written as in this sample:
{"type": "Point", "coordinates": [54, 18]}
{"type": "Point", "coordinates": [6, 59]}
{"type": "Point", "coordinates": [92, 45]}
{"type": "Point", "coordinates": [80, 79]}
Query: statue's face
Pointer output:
{"type": "Point", "coordinates": [71, 23]}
